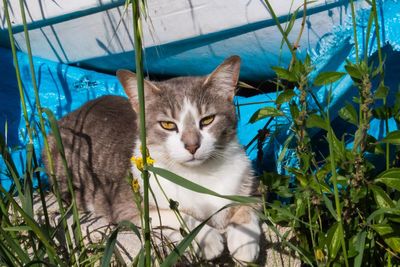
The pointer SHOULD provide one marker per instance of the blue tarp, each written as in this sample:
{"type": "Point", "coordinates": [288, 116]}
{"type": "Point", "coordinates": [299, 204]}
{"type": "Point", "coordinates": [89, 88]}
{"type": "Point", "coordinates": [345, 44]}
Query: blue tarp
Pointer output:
{"type": "Point", "coordinates": [63, 88]}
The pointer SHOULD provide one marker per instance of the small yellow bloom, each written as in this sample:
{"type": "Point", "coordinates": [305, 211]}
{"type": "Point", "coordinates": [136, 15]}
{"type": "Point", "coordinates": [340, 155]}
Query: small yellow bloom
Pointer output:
{"type": "Point", "coordinates": [138, 161]}
{"type": "Point", "coordinates": [150, 160]}
{"type": "Point", "coordinates": [319, 255]}
{"type": "Point", "coordinates": [135, 185]}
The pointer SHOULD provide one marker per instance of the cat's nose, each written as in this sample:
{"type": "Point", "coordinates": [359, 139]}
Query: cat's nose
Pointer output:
{"type": "Point", "coordinates": [192, 148]}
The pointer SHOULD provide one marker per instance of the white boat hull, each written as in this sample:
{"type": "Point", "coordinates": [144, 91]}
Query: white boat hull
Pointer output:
{"type": "Point", "coordinates": [181, 37]}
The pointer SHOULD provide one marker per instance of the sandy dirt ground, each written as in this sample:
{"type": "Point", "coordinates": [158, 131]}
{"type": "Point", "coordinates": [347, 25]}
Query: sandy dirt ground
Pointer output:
{"type": "Point", "coordinates": [128, 245]}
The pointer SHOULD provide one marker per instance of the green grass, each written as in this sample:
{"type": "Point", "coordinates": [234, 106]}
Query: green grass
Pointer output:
{"type": "Point", "coordinates": [341, 212]}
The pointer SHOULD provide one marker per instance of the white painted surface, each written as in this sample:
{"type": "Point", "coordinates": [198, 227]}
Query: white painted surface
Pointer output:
{"type": "Point", "coordinates": [99, 39]}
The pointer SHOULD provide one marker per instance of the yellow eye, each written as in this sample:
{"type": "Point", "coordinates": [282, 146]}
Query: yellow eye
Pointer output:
{"type": "Point", "coordinates": [168, 125]}
{"type": "Point", "coordinates": [207, 120]}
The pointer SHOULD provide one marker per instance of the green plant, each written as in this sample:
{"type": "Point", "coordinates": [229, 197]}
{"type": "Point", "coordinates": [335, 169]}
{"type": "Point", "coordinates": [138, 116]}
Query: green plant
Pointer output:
{"type": "Point", "coordinates": [342, 211]}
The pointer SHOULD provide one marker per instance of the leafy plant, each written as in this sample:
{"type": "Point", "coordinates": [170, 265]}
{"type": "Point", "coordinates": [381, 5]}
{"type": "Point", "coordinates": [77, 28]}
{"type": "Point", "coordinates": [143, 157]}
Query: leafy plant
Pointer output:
{"type": "Point", "coordinates": [341, 210]}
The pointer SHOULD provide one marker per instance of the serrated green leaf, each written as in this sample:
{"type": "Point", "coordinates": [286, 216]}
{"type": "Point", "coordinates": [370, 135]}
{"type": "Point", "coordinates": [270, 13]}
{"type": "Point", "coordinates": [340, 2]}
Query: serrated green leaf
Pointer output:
{"type": "Point", "coordinates": [316, 121]}
{"type": "Point", "coordinates": [354, 73]}
{"type": "Point", "coordinates": [333, 240]}
{"type": "Point", "coordinates": [382, 92]}
{"type": "Point", "coordinates": [391, 211]}
{"type": "Point", "coordinates": [294, 110]}
{"type": "Point", "coordinates": [264, 113]}
{"type": "Point", "coordinates": [328, 204]}
{"type": "Point", "coordinates": [382, 113]}
{"type": "Point", "coordinates": [381, 197]}
{"type": "Point", "coordinates": [397, 103]}
{"type": "Point", "coordinates": [284, 74]}
{"type": "Point", "coordinates": [391, 178]}
{"type": "Point", "coordinates": [285, 96]}
{"type": "Point", "coordinates": [349, 114]}
{"type": "Point", "coordinates": [285, 211]}
{"type": "Point", "coordinates": [392, 138]}
{"type": "Point", "coordinates": [357, 138]}
{"type": "Point", "coordinates": [300, 207]}
{"type": "Point", "coordinates": [324, 78]}
{"type": "Point", "coordinates": [390, 234]}
{"type": "Point", "coordinates": [360, 245]}
{"type": "Point", "coordinates": [307, 60]}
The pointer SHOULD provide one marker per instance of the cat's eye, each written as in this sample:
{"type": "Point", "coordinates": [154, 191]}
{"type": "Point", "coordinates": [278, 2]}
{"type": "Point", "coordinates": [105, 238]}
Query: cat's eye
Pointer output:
{"type": "Point", "coordinates": [168, 125]}
{"type": "Point", "coordinates": [207, 120]}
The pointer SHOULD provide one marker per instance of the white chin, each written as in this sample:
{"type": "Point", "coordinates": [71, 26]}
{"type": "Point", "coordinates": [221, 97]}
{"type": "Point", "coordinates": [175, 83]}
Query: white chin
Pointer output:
{"type": "Point", "coordinates": [193, 162]}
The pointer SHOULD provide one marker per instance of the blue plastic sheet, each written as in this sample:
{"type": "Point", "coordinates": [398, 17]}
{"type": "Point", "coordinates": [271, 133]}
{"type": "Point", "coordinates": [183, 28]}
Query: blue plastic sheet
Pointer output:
{"type": "Point", "coordinates": [63, 88]}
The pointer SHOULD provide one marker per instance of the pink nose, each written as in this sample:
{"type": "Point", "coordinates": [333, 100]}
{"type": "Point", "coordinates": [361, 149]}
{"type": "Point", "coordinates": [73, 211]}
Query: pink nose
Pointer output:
{"type": "Point", "coordinates": [192, 148]}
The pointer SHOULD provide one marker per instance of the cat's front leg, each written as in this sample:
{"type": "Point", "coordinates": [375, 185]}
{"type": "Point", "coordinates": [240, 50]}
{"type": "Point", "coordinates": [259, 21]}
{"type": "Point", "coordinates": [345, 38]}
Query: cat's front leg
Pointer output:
{"type": "Point", "coordinates": [243, 234]}
{"type": "Point", "coordinates": [209, 243]}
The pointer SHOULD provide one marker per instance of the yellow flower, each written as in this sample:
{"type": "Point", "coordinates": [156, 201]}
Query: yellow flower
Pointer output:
{"type": "Point", "coordinates": [150, 160]}
{"type": "Point", "coordinates": [138, 161]}
{"type": "Point", "coordinates": [319, 255]}
{"type": "Point", "coordinates": [135, 185]}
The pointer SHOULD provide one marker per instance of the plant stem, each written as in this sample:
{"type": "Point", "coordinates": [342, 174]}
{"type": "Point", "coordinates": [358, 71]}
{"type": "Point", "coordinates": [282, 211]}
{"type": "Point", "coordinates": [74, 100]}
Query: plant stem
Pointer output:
{"type": "Point", "coordinates": [335, 186]}
{"type": "Point", "coordinates": [303, 24]}
{"type": "Point", "coordinates": [310, 222]}
{"type": "Point", "coordinates": [353, 17]}
{"type": "Point", "coordinates": [17, 72]}
{"type": "Point", "coordinates": [278, 24]}
{"type": "Point", "coordinates": [382, 74]}
{"type": "Point", "coordinates": [378, 36]}
{"type": "Point", "coordinates": [78, 230]}
{"type": "Point", "coordinates": [137, 27]}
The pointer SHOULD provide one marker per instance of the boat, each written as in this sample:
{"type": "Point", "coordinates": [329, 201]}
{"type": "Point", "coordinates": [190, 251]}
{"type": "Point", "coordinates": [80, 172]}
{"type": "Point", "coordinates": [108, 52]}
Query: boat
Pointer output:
{"type": "Point", "coordinates": [181, 37]}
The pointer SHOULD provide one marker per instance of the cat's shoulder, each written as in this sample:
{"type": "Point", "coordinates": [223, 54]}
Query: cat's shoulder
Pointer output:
{"type": "Point", "coordinates": [107, 117]}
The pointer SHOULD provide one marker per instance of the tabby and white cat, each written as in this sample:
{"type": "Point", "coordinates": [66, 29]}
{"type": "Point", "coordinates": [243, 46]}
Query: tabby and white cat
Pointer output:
{"type": "Point", "coordinates": [191, 131]}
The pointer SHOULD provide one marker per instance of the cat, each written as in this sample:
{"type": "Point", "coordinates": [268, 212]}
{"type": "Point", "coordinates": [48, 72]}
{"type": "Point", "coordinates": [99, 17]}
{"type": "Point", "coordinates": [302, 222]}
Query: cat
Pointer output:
{"type": "Point", "coordinates": [191, 131]}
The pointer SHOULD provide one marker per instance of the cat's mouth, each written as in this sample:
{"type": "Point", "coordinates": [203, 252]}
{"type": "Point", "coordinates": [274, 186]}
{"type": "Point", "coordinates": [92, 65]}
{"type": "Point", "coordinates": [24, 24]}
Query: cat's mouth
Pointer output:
{"type": "Point", "coordinates": [193, 161]}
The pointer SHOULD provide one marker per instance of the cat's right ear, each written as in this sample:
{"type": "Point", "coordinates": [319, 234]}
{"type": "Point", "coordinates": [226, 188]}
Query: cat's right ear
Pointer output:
{"type": "Point", "coordinates": [225, 77]}
{"type": "Point", "coordinates": [129, 83]}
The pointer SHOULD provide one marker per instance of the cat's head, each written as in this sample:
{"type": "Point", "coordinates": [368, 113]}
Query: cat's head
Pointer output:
{"type": "Point", "coordinates": [188, 119]}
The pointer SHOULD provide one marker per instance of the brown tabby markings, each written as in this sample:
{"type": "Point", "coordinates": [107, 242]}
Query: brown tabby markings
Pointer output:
{"type": "Point", "coordinates": [98, 144]}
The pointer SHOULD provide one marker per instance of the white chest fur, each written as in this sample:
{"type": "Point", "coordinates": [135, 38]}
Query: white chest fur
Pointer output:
{"type": "Point", "coordinates": [224, 176]}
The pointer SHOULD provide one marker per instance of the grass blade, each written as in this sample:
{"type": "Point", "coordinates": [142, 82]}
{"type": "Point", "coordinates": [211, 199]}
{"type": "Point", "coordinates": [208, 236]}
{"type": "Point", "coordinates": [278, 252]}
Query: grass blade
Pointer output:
{"type": "Point", "coordinates": [360, 245]}
{"type": "Point", "coordinates": [172, 177]}
{"type": "Point", "coordinates": [14, 247]}
{"type": "Point", "coordinates": [41, 235]}
{"type": "Point", "coordinates": [184, 244]}
{"type": "Point", "coordinates": [112, 240]}
{"type": "Point", "coordinates": [60, 148]}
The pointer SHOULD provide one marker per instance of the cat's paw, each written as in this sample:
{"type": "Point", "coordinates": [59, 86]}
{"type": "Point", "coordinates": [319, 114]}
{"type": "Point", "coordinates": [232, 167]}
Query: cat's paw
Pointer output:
{"type": "Point", "coordinates": [243, 242]}
{"type": "Point", "coordinates": [209, 243]}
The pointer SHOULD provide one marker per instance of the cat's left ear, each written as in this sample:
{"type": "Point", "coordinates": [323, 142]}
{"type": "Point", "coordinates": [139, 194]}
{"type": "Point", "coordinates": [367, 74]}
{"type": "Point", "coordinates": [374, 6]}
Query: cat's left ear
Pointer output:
{"type": "Point", "coordinates": [129, 83]}
{"type": "Point", "coordinates": [225, 77]}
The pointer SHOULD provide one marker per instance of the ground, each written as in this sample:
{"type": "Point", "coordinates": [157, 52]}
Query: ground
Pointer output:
{"type": "Point", "coordinates": [97, 229]}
